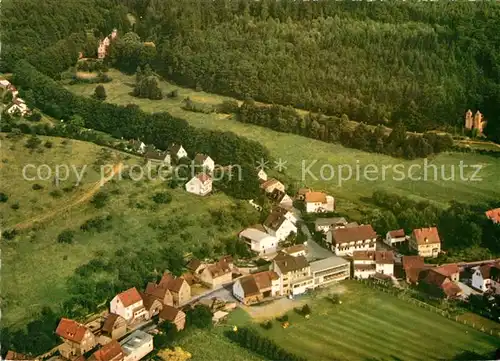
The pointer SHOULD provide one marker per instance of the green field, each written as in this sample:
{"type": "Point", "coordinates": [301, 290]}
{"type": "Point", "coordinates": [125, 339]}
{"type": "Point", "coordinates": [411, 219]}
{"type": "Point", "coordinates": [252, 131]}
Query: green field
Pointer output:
{"type": "Point", "coordinates": [371, 325]}
{"type": "Point", "coordinates": [351, 195]}
{"type": "Point", "coordinates": [35, 266]}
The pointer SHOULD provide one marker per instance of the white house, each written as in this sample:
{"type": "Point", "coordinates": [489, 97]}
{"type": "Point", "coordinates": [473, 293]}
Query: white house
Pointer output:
{"type": "Point", "coordinates": [259, 241]}
{"type": "Point", "coordinates": [200, 185]}
{"type": "Point", "coordinates": [177, 151]}
{"type": "Point", "coordinates": [129, 305]}
{"type": "Point", "coordinates": [271, 184]}
{"type": "Point", "coordinates": [276, 224]}
{"type": "Point", "coordinates": [319, 202]}
{"type": "Point", "coordinates": [262, 175]}
{"type": "Point", "coordinates": [205, 161]}
{"type": "Point", "coordinates": [395, 238]}
{"type": "Point", "coordinates": [367, 263]}
{"type": "Point", "coordinates": [137, 146]}
{"type": "Point", "coordinates": [344, 241]}
{"type": "Point", "coordinates": [18, 105]}
{"type": "Point", "coordinates": [295, 250]}
{"type": "Point", "coordinates": [487, 277]}
{"type": "Point", "coordinates": [324, 224]}
{"type": "Point", "coordinates": [137, 345]}
{"type": "Point", "coordinates": [289, 214]}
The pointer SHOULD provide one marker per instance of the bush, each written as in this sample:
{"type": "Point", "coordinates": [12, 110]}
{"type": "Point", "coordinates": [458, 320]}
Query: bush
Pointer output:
{"type": "Point", "coordinates": [173, 94]}
{"type": "Point", "coordinates": [228, 107]}
{"type": "Point", "coordinates": [33, 142]}
{"type": "Point", "coordinates": [283, 318]}
{"type": "Point", "coordinates": [36, 187]}
{"type": "Point", "coordinates": [35, 116]}
{"type": "Point", "coordinates": [162, 198]}
{"type": "Point", "coordinates": [3, 197]}
{"type": "Point", "coordinates": [200, 316]}
{"type": "Point", "coordinates": [48, 144]}
{"type": "Point", "coordinates": [9, 234]}
{"type": "Point", "coordinates": [266, 325]}
{"type": "Point", "coordinates": [98, 224]}
{"type": "Point", "coordinates": [15, 206]}
{"type": "Point", "coordinates": [306, 310]}
{"type": "Point", "coordinates": [100, 200]}
{"type": "Point", "coordinates": [66, 236]}
{"type": "Point", "coordinates": [56, 193]}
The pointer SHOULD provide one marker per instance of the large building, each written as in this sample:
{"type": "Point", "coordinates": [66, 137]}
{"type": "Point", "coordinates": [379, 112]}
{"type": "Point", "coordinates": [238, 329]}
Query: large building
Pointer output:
{"type": "Point", "coordinates": [344, 241]}
{"type": "Point", "coordinates": [426, 242]}
{"type": "Point", "coordinates": [137, 345]}
{"type": "Point", "coordinates": [294, 274]}
{"type": "Point", "coordinates": [328, 270]}
{"type": "Point", "coordinates": [367, 263]}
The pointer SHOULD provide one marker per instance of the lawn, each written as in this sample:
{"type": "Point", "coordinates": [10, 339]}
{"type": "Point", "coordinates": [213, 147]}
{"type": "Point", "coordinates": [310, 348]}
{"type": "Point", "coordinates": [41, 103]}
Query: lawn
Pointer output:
{"type": "Point", "coordinates": [371, 325]}
{"type": "Point", "coordinates": [35, 266]}
{"type": "Point", "coordinates": [299, 152]}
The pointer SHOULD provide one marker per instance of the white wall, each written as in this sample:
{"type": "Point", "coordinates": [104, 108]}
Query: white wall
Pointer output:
{"type": "Point", "coordinates": [238, 291]}
{"type": "Point", "coordinates": [387, 269]}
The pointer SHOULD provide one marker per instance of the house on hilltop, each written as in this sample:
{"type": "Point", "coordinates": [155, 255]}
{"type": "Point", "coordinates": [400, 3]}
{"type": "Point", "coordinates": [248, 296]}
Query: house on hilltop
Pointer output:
{"type": "Point", "coordinates": [129, 305]}
{"type": "Point", "coordinates": [426, 242]}
{"type": "Point", "coordinates": [177, 152]}
{"type": "Point", "coordinates": [277, 225]}
{"type": "Point", "coordinates": [200, 185]}
{"type": "Point", "coordinates": [318, 202]}
{"type": "Point", "coordinates": [204, 161]}
{"type": "Point", "coordinates": [271, 184]}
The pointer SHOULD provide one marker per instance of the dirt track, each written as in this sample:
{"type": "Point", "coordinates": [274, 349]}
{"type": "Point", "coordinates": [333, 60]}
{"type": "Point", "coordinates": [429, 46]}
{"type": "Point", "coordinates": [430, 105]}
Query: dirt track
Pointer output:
{"type": "Point", "coordinates": [71, 203]}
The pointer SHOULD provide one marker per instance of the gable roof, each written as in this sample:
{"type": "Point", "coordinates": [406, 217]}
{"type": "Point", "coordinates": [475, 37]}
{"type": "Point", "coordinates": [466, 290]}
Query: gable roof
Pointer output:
{"type": "Point", "coordinates": [274, 220]}
{"type": "Point", "coordinates": [330, 221]}
{"type": "Point", "coordinates": [426, 235]}
{"type": "Point", "coordinates": [194, 264]}
{"type": "Point", "coordinates": [494, 215]}
{"type": "Point", "coordinates": [315, 197]}
{"type": "Point", "coordinates": [303, 191]}
{"type": "Point", "coordinates": [258, 227]}
{"type": "Point", "coordinates": [451, 289]}
{"type": "Point", "coordinates": [448, 270]}
{"type": "Point", "coordinates": [249, 286]}
{"type": "Point", "coordinates": [384, 257]}
{"type": "Point", "coordinates": [109, 351]}
{"type": "Point", "coordinates": [398, 233]}
{"type": "Point", "coordinates": [156, 290]}
{"type": "Point", "coordinates": [155, 155]}
{"type": "Point", "coordinates": [490, 270]}
{"type": "Point", "coordinates": [255, 234]}
{"type": "Point", "coordinates": [359, 233]}
{"type": "Point", "coordinates": [71, 330]}
{"type": "Point", "coordinates": [412, 266]}
{"type": "Point", "coordinates": [363, 255]}
{"type": "Point", "coordinates": [277, 195]}
{"type": "Point", "coordinates": [264, 279]}
{"type": "Point", "coordinates": [294, 249]}
{"type": "Point", "coordinates": [287, 263]}
{"type": "Point", "coordinates": [129, 297]}
{"type": "Point", "coordinates": [174, 284]}
{"type": "Point", "coordinates": [111, 320]}
{"type": "Point", "coordinates": [203, 177]}
{"type": "Point", "coordinates": [269, 182]}
{"type": "Point", "coordinates": [148, 300]}
{"type": "Point", "coordinates": [200, 158]}
{"type": "Point", "coordinates": [169, 313]}
{"type": "Point", "coordinates": [14, 356]}
{"type": "Point", "coordinates": [174, 149]}
{"type": "Point", "coordinates": [219, 269]}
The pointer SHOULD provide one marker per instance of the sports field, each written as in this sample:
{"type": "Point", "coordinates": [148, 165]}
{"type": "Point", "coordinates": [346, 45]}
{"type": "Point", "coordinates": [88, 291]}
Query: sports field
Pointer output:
{"type": "Point", "coordinates": [299, 152]}
{"type": "Point", "coordinates": [372, 325]}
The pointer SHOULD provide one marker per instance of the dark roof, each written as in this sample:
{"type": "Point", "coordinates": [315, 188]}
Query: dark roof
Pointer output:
{"type": "Point", "coordinates": [129, 297]}
{"type": "Point", "coordinates": [155, 155]}
{"type": "Point", "coordinates": [219, 269]}
{"type": "Point", "coordinates": [294, 249]}
{"type": "Point", "coordinates": [200, 158]}
{"type": "Point", "coordinates": [277, 195]}
{"type": "Point", "coordinates": [156, 290]}
{"type": "Point", "coordinates": [148, 300]}
{"type": "Point", "coordinates": [364, 267]}
{"type": "Point", "coordinates": [274, 220]}
{"type": "Point", "coordinates": [174, 149]}
{"type": "Point", "coordinates": [426, 235]}
{"type": "Point", "coordinates": [287, 263]}
{"type": "Point", "coordinates": [490, 270]}
{"type": "Point", "coordinates": [249, 286]}
{"type": "Point", "coordinates": [194, 264]}
{"type": "Point", "coordinates": [71, 330]}
{"type": "Point", "coordinates": [227, 258]}
{"type": "Point", "coordinates": [109, 352]}
{"type": "Point", "coordinates": [169, 313]}
{"type": "Point", "coordinates": [359, 233]}
{"type": "Point", "coordinates": [173, 284]}
{"type": "Point", "coordinates": [110, 322]}
{"type": "Point", "coordinates": [412, 266]}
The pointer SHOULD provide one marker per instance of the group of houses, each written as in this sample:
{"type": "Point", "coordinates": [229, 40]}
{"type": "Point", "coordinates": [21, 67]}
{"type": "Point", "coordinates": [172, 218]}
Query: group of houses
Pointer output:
{"type": "Point", "coordinates": [18, 105]}
{"type": "Point", "coordinates": [200, 184]}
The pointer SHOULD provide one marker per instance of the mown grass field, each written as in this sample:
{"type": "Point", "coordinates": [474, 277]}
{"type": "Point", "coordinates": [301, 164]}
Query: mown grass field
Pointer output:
{"type": "Point", "coordinates": [372, 325]}
{"type": "Point", "coordinates": [35, 266]}
{"type": "Point", "coordinates": [300, 152]}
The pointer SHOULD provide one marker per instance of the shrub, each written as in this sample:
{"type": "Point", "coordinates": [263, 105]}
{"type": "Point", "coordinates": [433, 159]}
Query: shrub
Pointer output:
{"type": "Point", "coordinates": [35, 116]}
{"type": "Point", "coordinates": [228, 107]}
{"type": "Point", "coordinates": [200, 316]}
{"type": "Point", "coordinates": [48, 144]}
{"type": "Point", "coordinates": [283, 318]}
{"type": "Point", "coordinates": [56, 193]}
{"type": "Point", "coordinates": [98, 224]}
{"type": "Point", "coordinates": [306, 310]}
{"type": "Point", "coordinates": [162, 198]}
{"type": "Point", "coordinates": [15, 206]}
{"type": "Point", "coordinates": [3, 197]}
{"type": "Point", "coordinates": [173, 94]}
{"type": "Point", "coordinates": [66, 236]}
{"type": "Point", "coordinates": [33, 142]}
{"type": "Point", "coordinates": [9, 234]}
{"type": "Point", "coordinates": [100, 200]}
{"type": "Point", "coordinates": [36, 187]}
{"type": "Point", "coordinates": [266, 325]}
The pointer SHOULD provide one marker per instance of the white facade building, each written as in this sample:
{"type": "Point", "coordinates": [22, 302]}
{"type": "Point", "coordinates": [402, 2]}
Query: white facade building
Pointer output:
{"type": "Point", "coordinates": [259, 241]}
{"type": "Point", "coordinates": [345, 241]}
{"type": "Point", "coordinates": [137, 345]}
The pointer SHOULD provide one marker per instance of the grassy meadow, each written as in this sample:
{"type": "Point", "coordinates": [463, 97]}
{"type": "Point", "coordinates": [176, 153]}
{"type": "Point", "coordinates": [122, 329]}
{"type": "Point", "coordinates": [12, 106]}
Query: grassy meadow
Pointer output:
{"type": "Point", "coordinates": [372, 325]}
{"type": "Point", "coordinates": [35, 265]}
{"type": "Point", "coordinates": [299, 152]}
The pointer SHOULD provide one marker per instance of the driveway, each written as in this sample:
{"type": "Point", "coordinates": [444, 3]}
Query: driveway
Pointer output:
{"type": "Point", "coordinates": [314, 250]}
{"type": "Point", "coordinates": [467, 290]}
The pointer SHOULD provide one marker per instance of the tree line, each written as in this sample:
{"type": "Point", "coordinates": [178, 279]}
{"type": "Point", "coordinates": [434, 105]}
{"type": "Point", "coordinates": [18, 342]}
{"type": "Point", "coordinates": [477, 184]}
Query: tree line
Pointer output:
{"type": "Point", "coordinates": [423, 64]}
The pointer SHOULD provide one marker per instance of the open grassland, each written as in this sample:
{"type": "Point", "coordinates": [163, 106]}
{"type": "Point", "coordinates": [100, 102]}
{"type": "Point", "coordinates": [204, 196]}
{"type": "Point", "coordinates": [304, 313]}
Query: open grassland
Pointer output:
{"type": "Point", "coordinates": [300, 152]}
{"type": "Point", "coordinates": [372, 325]}
{"type": "Point", "coordinates": [35, 266]}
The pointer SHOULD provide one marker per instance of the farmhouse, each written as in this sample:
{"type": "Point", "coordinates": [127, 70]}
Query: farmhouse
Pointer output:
{"type": "Point", "coordinates": [317, 202]}
{"type": "Point", "coordinates": [395, 238]}
{"type": "Point", "coordinates": [137, 345]}
{"type": "Point", "coordinates": [277, 225]}
{"type": "Point", "coordinates": [177, 152]}
{"type": "Point", "coordinates": [259, 241]}
{"type": "Point", "coordinates": [115, 326]}
{"type": "Point", "coordinates": [110, 352]}
{"type": "Point", "coordinates": [271, 184]}
{"type": "Point", "coordinates": [129, 305]}
{"type": "Point", "coordinates": [344, 241]}
{"type": "Point", "coordinates": [294, 274]}
{"type": "Point", "coordinates": [324, 224]}
{"type": "Point", "coordinates": [328, 270]}
{"type": "Point", "coordinates": [200, 185]}
{"type": "Point", "coordinates": [426, 242]}
{"type": "Point", "coordinates": [77, 339]}
{"type": "Point", "coordinates": [438, 280]}
{"type": "Point", "coordinates": [173, 315]}
{"type": "Point", "coordinates": [216, 275]}
{"type": "Point", "coordinates": [178, 287]}
{"type": "Point", "coordinates": [494, 215]}
{"type": "Point", "coordinates": [161, 293]}
{"type": "Point", "coordinates": [487, 278]}
{"type": "Point", "coordinates": [412, 266]}
{"type": "Point", "coordinates": [151, 304]}
{"type": "Point", "coordinates": [204, 161]}
{"type": "Point", "coordinates": [255, 287]}
{"type": "Point", "coordinates": [195, 266]}
{"type": "Point", "coordinates": [367, 263]}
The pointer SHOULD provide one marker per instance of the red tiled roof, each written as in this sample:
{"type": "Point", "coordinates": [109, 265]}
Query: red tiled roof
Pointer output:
{"type": "Point", "coordinates": [363, 255]}
{"type": "Point", "coordinates": [360, 233]}
{"type": "Point", "coordinates": [451, 289]}
{"type": "Point", "coordinates": [173, 284]}
{"type": "Point", "coordinates": [129, 297]}
{"type": "Point", "coordinates": [249, 286]}
{"type": "Point", "coordinates": [219, 269]}
{"type": "Point", "coordinates": [315, 197]}
{"type": "Point", "coordinates": [71, 330]}
{"type": "Point", "coordinates": [157, 291]}
{"type": "Point", "coordinates": [486, 270]}
{"type": "Point", "coordinates": [494, 215]}
{"type": "Point", "coordinates": [448, 270]}
{"type": "Point", "coordinates": [426, 235]}
{"type": "Point", "coordinates": [384, 257]}
{"type": "Point", "coordinates": [399, 233]}
{"type": "Point", "coordinates": [148, 300]}
{"type": "Point", "coordinates": [264, 279]}
{"type": "Point", "coordinates": [203, 177]}
{"type": "Point", "coordinates": [412, 266]}
{"type": "Point", "coordinates": [364, 267]}
{"type": "Point", "coordinates": [14, 356]}
{"type": "Point", "coordinates": [110, 351]}
{"type": "Point", "coordinates": [194, 264]}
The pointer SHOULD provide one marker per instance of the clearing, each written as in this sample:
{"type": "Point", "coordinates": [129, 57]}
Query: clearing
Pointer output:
{"type": "Point", "coordinates": [299, 152]}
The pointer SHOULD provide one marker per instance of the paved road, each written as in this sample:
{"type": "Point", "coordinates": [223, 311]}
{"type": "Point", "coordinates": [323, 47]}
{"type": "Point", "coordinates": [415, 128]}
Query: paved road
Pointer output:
{"type": "Point", "coordinates": [314, 250]}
